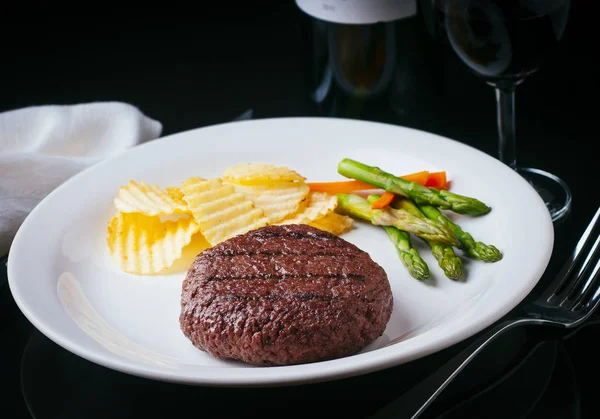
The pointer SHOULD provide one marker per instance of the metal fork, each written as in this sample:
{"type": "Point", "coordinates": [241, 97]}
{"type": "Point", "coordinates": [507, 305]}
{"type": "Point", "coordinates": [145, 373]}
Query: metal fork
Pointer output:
{"type": "Point", "coordinates": [569, 300]}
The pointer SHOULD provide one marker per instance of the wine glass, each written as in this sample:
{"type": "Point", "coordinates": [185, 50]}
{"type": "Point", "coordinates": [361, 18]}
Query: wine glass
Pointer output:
{"type": "Point", "coordinates": [503, 42]}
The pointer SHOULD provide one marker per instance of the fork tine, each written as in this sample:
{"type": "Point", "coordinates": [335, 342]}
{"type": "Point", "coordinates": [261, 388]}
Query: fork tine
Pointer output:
{"type": "Point", "coordinates": [586, 275]}
{"type": "Point", "coordinates": [590, 295]}
{"type": "Point", "coordinates": [571, 273]}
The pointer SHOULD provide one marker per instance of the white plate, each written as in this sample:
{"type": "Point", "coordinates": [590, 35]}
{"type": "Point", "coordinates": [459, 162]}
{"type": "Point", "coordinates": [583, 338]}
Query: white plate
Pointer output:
{"type": "Point", "coordinates": [64, 281]}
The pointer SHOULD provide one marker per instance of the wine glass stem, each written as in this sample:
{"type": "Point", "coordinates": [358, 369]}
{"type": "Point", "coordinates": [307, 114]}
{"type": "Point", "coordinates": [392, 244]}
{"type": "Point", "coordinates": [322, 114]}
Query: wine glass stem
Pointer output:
{"type": "Point", "coordinates": [505, 104]}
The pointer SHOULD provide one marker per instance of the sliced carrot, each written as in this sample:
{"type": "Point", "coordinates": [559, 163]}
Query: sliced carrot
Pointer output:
{"type": "Point", "coordinates": [350, 186]}
{"type": "Point", "coordinates": [345, 186]}
{"type": "Point", "coordinates": [437, 180]}
{"type": "Point", "coordinates": [418, 177]}
{"type": "Point", "coordinates": [383, 201]}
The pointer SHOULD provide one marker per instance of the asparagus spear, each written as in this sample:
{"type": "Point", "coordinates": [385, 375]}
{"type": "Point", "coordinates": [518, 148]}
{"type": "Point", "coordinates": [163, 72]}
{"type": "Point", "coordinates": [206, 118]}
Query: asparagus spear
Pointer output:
{"type": "Point", "coordinates": [357, 207]}
{"type": "Point", "coordinates": [419, 193]}
{"type": "Point", "coordinates": [443, 253]}
{"type": "Point", "coordinates": [416, 266]}
{"type": "Point", "coordinates": [479, 250]}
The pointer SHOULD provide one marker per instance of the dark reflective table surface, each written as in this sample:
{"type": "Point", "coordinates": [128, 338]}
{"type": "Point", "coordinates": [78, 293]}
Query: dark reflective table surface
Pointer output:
{"type": "Point", "coordinates": [189, 71]}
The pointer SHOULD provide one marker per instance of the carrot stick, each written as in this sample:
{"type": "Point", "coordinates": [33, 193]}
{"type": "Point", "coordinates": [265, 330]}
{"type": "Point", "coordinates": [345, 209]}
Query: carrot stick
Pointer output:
{"type": "Point", "coordinates": [383, 201]}
{"type": "Point", "coordinates": [418, 177]}
{"type": "Point", "coordinates": [347, 186]}
{"type": "Point", "coordinates": [353, 186]}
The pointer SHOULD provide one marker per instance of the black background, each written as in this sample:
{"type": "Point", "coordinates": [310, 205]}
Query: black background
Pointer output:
{"type": "Point", "coordinates": [190, 69]}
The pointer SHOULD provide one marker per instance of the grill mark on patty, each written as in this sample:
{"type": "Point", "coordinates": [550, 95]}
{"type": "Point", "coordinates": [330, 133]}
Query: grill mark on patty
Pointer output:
{"type": "Point", "coordinates": [285, 276]}
{"type": "Point", "coordinates": [268, 234]}
{"type": "Point", "coordinates": [229, 253]}
{"type": "Point", "coordinates": [304, 297]}
{"type": "Point", "coordinates": [294, 266]}
{"type": "Point", "coordinates": [286, 245]}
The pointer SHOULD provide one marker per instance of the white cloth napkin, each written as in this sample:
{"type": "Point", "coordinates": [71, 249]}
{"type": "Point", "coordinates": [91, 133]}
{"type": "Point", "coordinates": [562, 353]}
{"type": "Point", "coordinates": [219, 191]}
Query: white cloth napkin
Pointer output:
{"type": "Point", "coordinates": [42, 146]}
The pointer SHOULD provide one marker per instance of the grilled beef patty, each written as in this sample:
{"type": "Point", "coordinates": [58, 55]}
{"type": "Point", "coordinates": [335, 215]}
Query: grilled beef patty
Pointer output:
{"type": "Point", "coordinates": [282, 295]}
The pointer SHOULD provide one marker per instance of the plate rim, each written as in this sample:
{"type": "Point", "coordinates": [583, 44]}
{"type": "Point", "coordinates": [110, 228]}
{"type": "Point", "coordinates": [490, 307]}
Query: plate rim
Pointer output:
{"type": "Point", "coordinates": [295, 374]}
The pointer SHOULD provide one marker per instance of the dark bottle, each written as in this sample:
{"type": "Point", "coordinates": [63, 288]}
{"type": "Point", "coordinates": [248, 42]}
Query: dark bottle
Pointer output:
{"type": "Point", "coordinates": [367, 59]}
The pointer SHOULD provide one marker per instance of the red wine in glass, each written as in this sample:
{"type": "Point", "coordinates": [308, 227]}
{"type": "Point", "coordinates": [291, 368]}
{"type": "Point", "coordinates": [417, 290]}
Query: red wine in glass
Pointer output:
{"type": "Point", "coordinates": [503, 42]}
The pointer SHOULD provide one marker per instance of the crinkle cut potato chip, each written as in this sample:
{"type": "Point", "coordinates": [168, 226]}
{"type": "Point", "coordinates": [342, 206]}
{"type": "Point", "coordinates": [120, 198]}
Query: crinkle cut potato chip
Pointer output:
{"type": "Point", "coordinates": [191, 181]}
{"type": "Point", "coordinates": [258, 173]}
{"type": "Point", "coordinates": [142, 244]}
{"type": "Point", "coordinates": [278, 199]}
{"type": "Point", "coordinates": [140, 197]}
{"type": "Point", "coordinates": [220, 211]}
{"type": "Point", "coordinates": [334, 223]}
{"type": "Point", "coordinates": [319, 204]}
{"type": "Point", "coordinates": [176, 195]}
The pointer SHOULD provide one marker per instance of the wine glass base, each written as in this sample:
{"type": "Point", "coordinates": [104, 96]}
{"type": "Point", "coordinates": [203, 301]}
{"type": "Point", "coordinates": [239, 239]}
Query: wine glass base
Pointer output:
{"type": "Point", "coordinates": [553, 190]}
